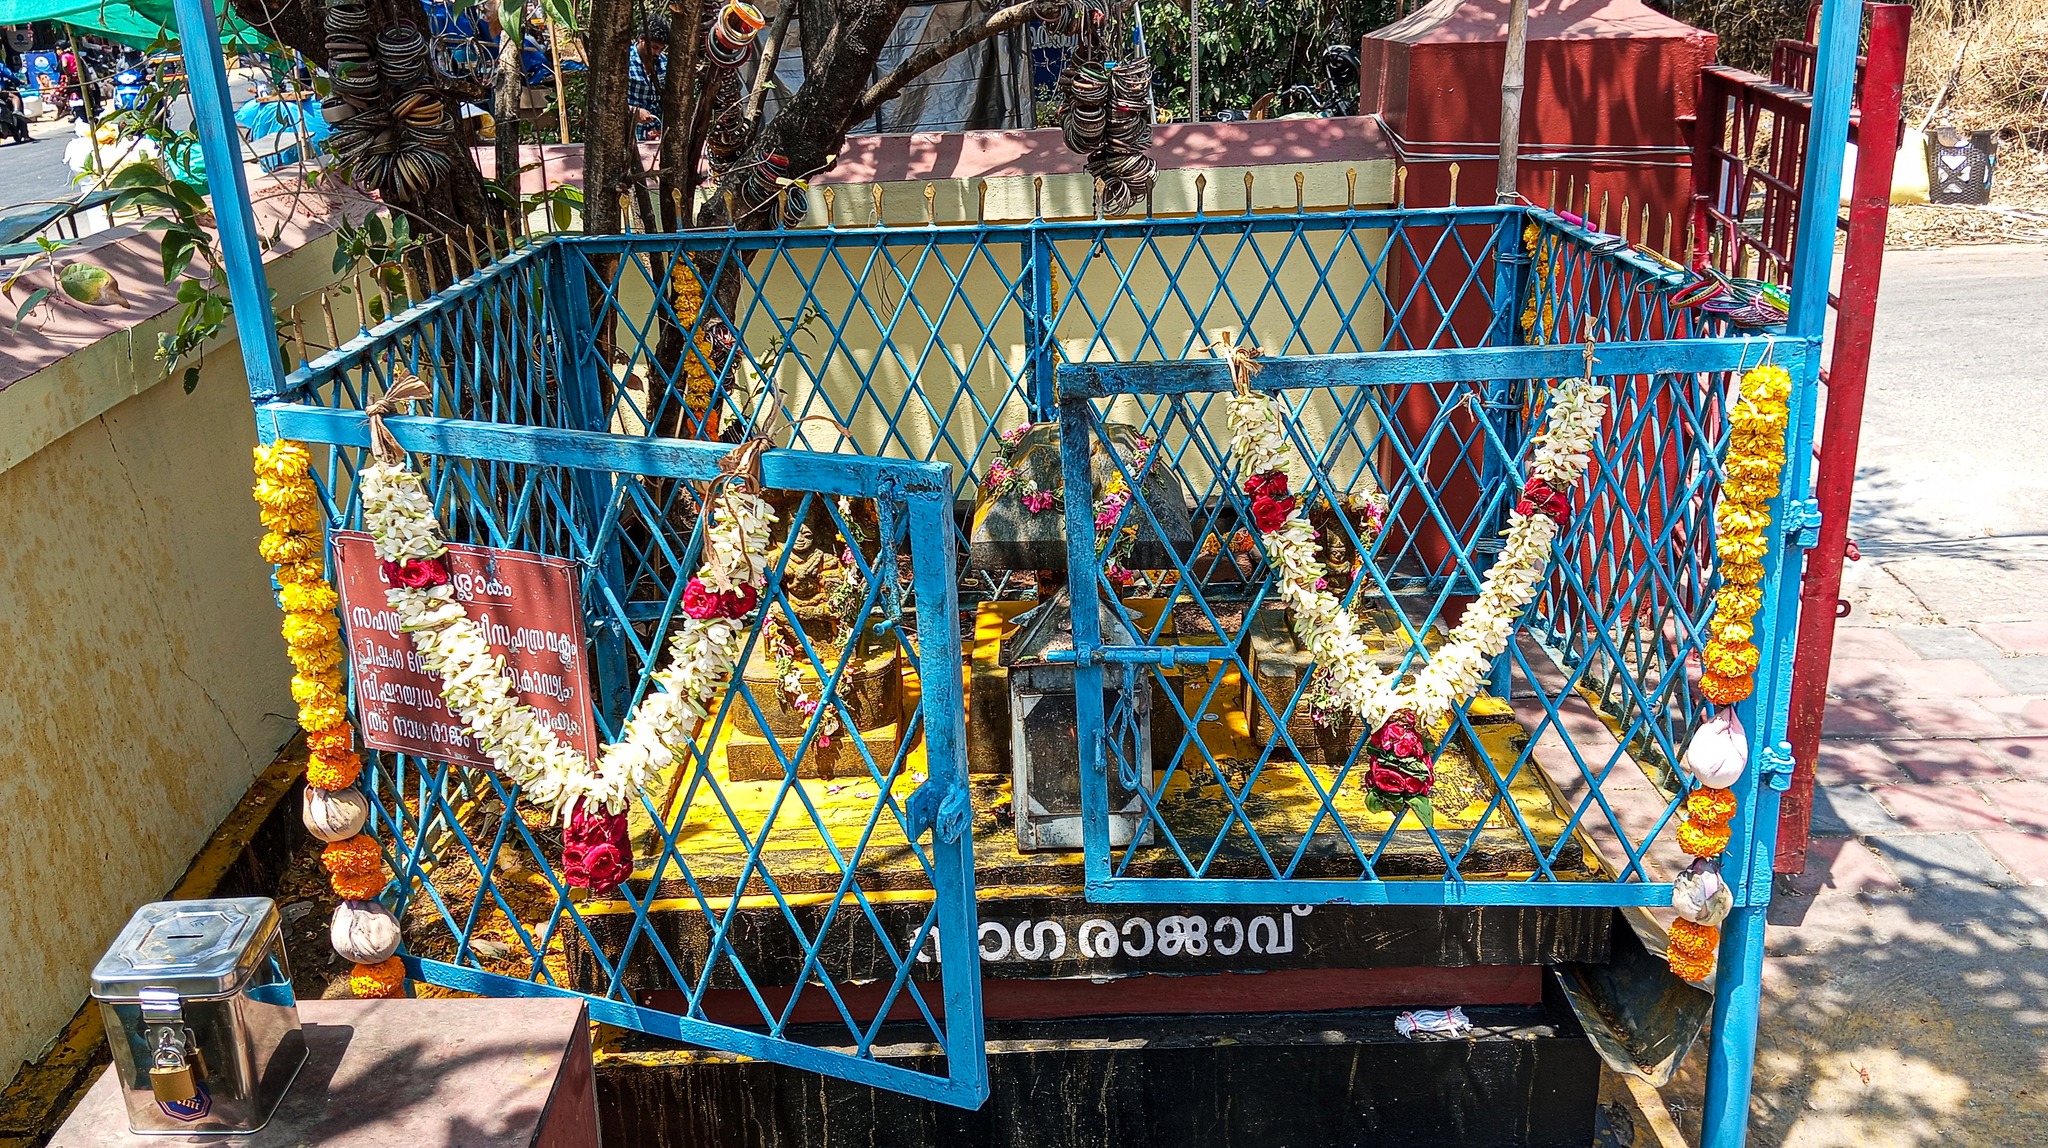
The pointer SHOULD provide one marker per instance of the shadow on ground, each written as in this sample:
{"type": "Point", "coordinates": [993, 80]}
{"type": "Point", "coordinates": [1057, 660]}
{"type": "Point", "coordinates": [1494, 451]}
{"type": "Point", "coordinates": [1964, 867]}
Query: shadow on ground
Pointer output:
{"type": "Point", "coordinates": [1900, 1020]}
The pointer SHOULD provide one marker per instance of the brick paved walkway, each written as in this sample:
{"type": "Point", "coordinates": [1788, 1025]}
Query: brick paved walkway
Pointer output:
{"type": "Point", "coordinates": [1934, 765]}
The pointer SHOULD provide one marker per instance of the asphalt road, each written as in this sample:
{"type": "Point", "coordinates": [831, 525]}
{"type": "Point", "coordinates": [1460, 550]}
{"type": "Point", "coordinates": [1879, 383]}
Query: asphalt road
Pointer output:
{"type": "Point", "coordinates": [35, 172]}
{"type": "Point", "coordinates": [1951, 507]}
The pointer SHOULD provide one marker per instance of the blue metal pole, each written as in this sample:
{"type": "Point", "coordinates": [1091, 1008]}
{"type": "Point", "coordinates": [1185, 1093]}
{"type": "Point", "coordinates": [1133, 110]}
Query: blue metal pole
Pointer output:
{"type": "Point", "coordinates": [1738, 983]}
{"type": "Point", "coordinates": [213, 114]}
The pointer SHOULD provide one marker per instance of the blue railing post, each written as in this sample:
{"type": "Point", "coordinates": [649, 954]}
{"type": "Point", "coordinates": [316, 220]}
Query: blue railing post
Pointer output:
{"type": "Point", "coordinates": [576, 371]}
{"type": "Point", "coordinates": [1502, 407]}
{"type": "Point", "coordinates": [1731, 1063]}
{"type": "Point", "coordinates": [1039, 322]}
{"type": "Point", "coordinates": [213, 114]}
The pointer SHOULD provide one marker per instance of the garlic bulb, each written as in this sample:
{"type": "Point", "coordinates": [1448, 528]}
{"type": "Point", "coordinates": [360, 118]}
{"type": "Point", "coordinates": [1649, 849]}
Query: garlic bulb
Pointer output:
{"type": "Point", "coordinates": [364, 932]}
{"type": "Point", "coordinates": [1700, 895]}
{"type": "Point", "coordinates": [337, 814]}
{"type": "Point", "coordinates": [1718, 751]}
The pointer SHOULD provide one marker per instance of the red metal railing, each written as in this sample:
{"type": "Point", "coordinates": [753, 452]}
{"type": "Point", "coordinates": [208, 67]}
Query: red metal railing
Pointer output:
{"type": "Point", "coordinates": [1748, 160]}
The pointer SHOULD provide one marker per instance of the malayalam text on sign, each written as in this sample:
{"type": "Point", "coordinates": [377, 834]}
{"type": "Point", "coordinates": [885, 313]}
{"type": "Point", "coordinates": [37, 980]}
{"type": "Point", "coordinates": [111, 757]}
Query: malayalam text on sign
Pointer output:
{"type": "Point", "coordinates": [529, 610]}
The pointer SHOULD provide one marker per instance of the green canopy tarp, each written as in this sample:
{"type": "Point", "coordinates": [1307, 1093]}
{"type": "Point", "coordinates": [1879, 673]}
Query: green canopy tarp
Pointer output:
{"type": "Point", "coordinates": [137, 23]}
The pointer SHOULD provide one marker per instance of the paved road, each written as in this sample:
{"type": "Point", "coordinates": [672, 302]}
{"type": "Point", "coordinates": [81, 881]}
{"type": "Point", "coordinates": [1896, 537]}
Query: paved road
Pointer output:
{"type": "Point", "coordinates": [35, 170]}
{"type": "Point", "coordinates": [1952, 490]}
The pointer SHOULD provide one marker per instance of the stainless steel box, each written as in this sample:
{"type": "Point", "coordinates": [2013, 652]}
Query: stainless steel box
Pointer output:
{"type": "Point", "coordinates": [197, 1000]}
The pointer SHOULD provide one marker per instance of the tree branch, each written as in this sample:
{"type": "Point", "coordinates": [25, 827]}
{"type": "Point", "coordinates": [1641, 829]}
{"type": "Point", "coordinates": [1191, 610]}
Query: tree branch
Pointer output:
{"type": "Point", "coordinates": [931, 55]}
{"type": "Point", "coordinates": [764, 78]}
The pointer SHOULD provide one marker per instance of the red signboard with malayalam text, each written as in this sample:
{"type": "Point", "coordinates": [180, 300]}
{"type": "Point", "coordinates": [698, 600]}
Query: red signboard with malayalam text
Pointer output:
{"type": "Point", "coordinates": [531, 613]}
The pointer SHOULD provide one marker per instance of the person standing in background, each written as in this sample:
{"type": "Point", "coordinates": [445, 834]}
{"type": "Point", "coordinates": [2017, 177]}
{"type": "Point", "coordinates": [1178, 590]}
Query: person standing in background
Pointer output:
{"type": "Point", "coordinates": [646, 70]}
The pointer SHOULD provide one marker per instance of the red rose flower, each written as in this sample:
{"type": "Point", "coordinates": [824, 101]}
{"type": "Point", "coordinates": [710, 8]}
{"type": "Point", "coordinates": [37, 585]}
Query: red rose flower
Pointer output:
{"type": "Point", "coordinates": [1539, 497]}
{"type": "Point", "coordinates": [596, 852]}
{"type": "Point", "coordinates": [700, 603]}
{"type": "Point", "coordinates": [1395, 782]}
{"type": "Point", "coordinates": [1398, 738]}
{"type": "Point", "coordinates": [1272, 483]}
{"type": "Point", "coordinates": [416, 573]}
{"type": "Point", "coordinates": [1269, 512]}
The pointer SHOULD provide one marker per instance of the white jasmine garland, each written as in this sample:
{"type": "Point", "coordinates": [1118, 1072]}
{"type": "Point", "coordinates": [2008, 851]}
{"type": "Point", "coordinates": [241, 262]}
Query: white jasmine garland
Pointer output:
{"type": "Point", "coordinates": [1330, 632]}
{"type": "Point", "coordinates": [701, 653]}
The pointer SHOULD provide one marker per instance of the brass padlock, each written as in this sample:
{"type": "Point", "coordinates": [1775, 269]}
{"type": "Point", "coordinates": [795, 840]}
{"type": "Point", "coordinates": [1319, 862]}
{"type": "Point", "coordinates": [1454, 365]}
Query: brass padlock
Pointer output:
{"type": "Point", "coordinates": [171, 1078]}
{"type": "Point", "coordinates": [172, 1083]}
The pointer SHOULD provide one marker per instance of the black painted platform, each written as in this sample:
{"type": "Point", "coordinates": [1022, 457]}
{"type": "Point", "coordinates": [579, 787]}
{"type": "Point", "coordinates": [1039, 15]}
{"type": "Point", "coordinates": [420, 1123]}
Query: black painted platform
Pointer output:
{"type": "Point", "coordinates": [1527, 1078]}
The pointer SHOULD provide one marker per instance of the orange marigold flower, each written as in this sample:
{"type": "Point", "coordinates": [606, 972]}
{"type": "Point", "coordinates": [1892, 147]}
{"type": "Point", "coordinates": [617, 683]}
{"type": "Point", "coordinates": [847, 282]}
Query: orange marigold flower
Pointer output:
{"type": "Point", "coordinates": [1702, 839]}
{"type": "Point", "coordinates": [319, 689]}
{"type": "Point", "coordinates": [353, 857]}
{"type": "Point", "coordinates": [283, 458]}
{"type": "Point", "coordinates": [1710, 806]}
{"type": "Point", "coordinates": [312, 718]}
{"type": "Point", "coordinates": [360, 888]}
{"type": "Point", "coordinates": [332, 768]}
{"type": "Point", "coordinates": [331, 740]}
{"type": "Point", "coordinates": [1745, 547]}
{"type": "Point", "coordinates": [1737, 602]}
{"type": "Point", "coordinates": [1730, 659]}
{"type": "Point", "coordinates": [378, 981]}
{"type": "Point", "coordinates": [317, 661]}
{"type": "Point", "coordinates": [1691, 953]}
{"type": "Point", "coordinates": [1722, 690]}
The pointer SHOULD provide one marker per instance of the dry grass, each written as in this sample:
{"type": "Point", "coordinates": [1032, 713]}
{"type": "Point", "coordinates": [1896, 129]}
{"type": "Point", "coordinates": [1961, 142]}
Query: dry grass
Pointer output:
{"type": "Point", "coordinates": [2001, 82]}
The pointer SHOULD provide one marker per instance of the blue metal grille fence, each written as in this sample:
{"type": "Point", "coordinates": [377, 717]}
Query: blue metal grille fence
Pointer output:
{"type": "Point", "coordinates": [1408, 347]}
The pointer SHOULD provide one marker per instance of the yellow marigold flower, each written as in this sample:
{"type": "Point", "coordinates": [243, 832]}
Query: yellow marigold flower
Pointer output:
{"type": "Point", "coordinates": [1737, 602]}
{"type": "Point", "coordinates": [1733, 631]}
{"type": "Point", "coordinates": [315, 661]}
{"type": "Point", "coordinates": [1691, 953]}
{"type": "Point", "coordinates": [308, 628]}
{"type": "Point", "coordinates": [1729, 659]}
{"type": "Point", "coordinates": [305, 519]}
{"type": "Point", "coordinates": [278, 549]}
{"type": "Point", "coordinates": [1741, 547]}
{"type": "Point", "coordinates": [332, 769]}
{"type": "Point", "coordinates": [311, 570]}
{"type": "Point", "coordinates": [1741, 573]}
{"type": "Point", "coordinates": [1769, 382]}
{"type": "Point", "coordinates": [317, 691]}
{"type": "Point", "coordinates": [378, 982]}
{"type": "Point", "coordinates": [1703, 839]}
{"type": "Point", "coordinates": [284, 493]}
{"type": "Point", "coordinates": [1710, 806]}
{"type": "Point", "coordinates": [1738, 517]}
{"type": "Point", "coordinates": [322, 717]}
{"type": "Point", "coordinates": [1753, 491]}
{"type": "Point", "coordinates": [308, 597]}
{"type": "Point", "coordinates": [283, 458]}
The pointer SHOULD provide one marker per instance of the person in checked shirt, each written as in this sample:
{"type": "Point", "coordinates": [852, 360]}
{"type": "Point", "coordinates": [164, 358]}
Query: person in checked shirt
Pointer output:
{"type": "Point", "coordinates": [646, 70]}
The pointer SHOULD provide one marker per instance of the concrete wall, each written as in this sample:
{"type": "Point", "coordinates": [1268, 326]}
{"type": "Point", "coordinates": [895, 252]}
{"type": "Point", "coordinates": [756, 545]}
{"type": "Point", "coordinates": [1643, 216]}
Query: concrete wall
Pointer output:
{"type": "Point", "coordinates": [145, 682]}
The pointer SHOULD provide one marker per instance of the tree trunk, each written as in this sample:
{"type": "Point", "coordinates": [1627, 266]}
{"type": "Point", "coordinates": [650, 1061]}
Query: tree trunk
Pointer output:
{"type": "Point", "coordinates": [607, 129]}
{"type": "Point", "coordinates": [505, 111]}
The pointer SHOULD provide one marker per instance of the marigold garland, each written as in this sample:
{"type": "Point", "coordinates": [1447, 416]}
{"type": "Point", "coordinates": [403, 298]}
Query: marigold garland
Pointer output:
{"type": "Point", "coordinates": [1753, 474]}
{"type": "Point", "coordinates": [289, 506]}
{"type": "Point", "coordinates": [385, 979]}
{"type": "Point", "coordinates": [1691, 951]}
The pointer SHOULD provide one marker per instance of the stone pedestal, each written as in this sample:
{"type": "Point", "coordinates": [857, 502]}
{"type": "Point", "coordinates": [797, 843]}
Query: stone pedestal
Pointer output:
{"type": "Point", "coordinates": [871, 688]}
{"type": "Point", "coordinates": [418, 1073]}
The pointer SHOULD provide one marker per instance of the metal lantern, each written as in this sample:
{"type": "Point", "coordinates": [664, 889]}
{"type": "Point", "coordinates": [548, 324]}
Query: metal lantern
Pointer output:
{"type": "Point", "coordinates": [1045, 750]}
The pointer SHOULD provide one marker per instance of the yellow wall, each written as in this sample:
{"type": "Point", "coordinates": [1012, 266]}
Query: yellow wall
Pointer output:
{"type": "Point", "coordinates": [973, 336]}
{"type": "Point", "coordinates": [146, 684]}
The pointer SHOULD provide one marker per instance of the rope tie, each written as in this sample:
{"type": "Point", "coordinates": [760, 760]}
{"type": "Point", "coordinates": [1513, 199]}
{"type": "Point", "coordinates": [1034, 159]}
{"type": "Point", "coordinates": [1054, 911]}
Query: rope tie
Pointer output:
{"type": "Point", "coordinates": [397, 399]}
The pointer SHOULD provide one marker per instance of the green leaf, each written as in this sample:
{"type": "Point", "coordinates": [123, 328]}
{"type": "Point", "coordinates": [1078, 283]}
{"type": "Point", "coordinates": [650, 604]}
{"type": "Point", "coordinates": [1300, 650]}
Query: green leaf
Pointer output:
{"type": "Point", "coordinates": [178, 250]}
{"type": "Point", "coordinates": [375, 226]}
{"type": "Point", "coordinates": [190, 291]}
{"type": "Point", "coordinates": [91, 285]}
{"type": "Point", "coordinates": [401, 230]}
{"type": "Point", "coordinates": [191, 379]}
{"type": "Point", "coordinates": [138, 175]}
{"type": "Point", "coordinates": [148, 197]}
{"type": "Point", "coordinates": [34, 300]}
